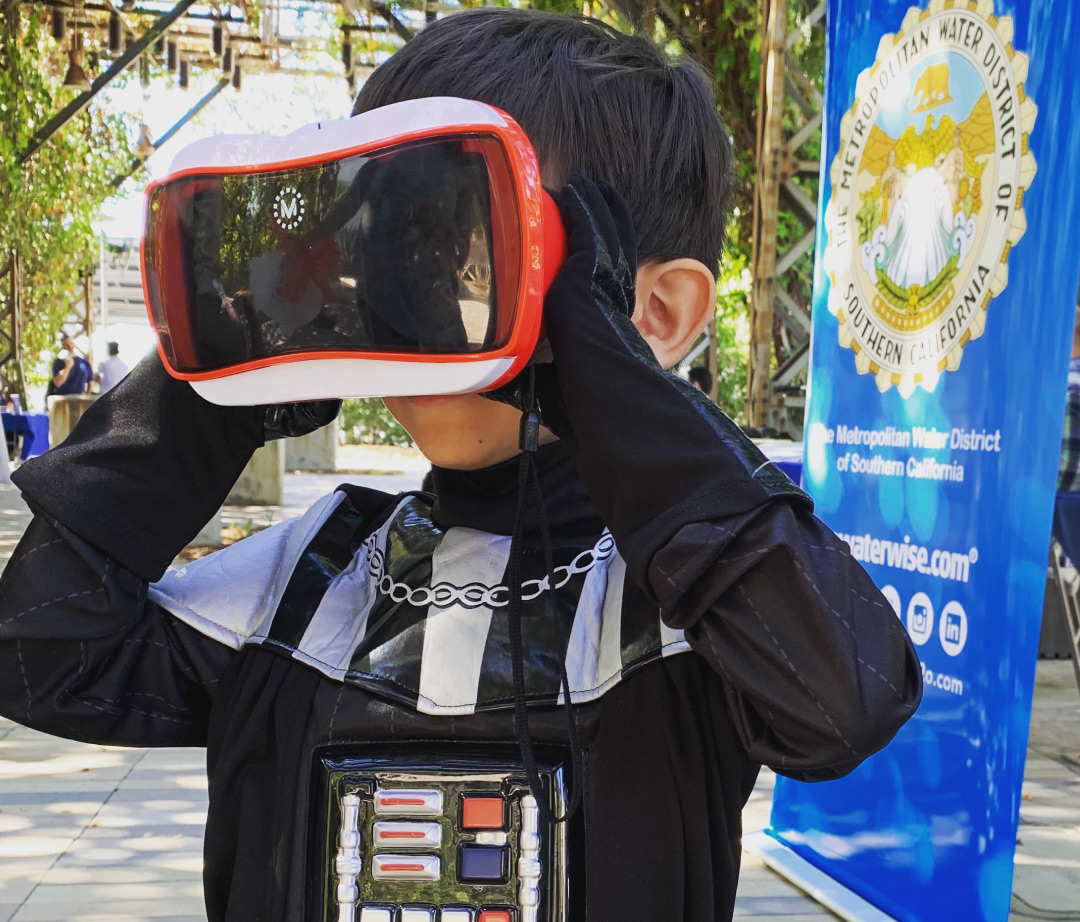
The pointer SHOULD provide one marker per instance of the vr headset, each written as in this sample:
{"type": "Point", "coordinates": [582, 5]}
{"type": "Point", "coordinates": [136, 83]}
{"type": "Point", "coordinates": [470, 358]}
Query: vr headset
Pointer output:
{"type": "Point", "coordinates": [401, 252]}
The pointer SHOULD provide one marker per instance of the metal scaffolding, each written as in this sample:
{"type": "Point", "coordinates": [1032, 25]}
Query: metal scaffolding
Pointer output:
{"type": "Point", "coordinates": [789, 116]}
{"type": "Point", "coordinates": [130, 55]}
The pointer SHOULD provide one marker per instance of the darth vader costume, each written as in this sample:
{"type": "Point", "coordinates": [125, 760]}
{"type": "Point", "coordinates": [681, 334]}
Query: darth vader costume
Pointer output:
{"type": "Point", "coordinates": [353, 673]}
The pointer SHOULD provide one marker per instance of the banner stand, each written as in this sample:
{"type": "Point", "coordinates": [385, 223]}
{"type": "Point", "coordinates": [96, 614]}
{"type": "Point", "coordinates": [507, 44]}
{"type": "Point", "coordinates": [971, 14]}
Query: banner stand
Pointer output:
{"type": "Point", "coordinates": [816, 884]}
{"type": "Point", "coordinates": [944, 299]}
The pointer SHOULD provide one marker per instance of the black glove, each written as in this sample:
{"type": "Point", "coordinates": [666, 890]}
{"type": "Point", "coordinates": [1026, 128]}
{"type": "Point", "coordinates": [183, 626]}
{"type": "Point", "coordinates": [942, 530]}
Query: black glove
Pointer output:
{"type": "Point", "coordinates": [653, 451]}
{"type": "Point", "coordinates": [150, 463]}
{"type": "Point", "coordinates": [292, 420]}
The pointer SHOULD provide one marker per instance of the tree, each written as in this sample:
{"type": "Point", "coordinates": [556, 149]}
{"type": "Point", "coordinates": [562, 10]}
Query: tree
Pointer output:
{"type": "Point", "coordinates": [724, 37]}
{"type": "Point", "coordinates": [368, 422]}
{"type": "Point", "coordinates": [48, 205]}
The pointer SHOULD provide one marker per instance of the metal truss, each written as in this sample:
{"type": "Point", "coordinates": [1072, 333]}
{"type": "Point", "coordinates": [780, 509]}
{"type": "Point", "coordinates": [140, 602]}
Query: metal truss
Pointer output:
{"type": "Point", "coordinates": [138, 161]}
{"type": "Point", "coordinates": [130, 55]}
{"type": "Point", "coordinates": [789, 116]}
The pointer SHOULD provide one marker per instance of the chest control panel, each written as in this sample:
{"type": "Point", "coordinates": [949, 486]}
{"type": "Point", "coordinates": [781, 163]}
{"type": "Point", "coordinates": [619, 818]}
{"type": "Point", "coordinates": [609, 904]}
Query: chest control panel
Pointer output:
{"type": "Point", "coordinates": [428, 843]}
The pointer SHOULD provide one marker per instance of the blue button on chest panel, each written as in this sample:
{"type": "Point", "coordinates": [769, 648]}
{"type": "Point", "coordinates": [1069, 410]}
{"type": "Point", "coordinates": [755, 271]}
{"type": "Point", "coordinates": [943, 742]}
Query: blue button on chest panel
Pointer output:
{"type": "Point", "coordinates": [482, 863]}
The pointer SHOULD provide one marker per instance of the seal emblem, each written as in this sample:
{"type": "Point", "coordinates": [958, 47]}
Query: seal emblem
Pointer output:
{"type": "Point", "coordinates": [927, 192]}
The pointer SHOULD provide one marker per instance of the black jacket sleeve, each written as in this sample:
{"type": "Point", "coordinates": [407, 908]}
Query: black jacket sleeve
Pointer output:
{"type": "Point", "coordinates": [819, 673]}
{"type": "Point", "coordinates": [84, 653]}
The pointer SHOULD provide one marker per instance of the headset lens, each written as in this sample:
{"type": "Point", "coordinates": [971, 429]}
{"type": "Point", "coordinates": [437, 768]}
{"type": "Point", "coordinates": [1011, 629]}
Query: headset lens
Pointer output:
{"type": "Point", "coordinates": [410, 250]}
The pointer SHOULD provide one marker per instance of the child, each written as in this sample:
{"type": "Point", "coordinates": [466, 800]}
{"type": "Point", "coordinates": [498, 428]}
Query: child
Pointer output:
{"type": "Point", "coordinates": [361, 661]}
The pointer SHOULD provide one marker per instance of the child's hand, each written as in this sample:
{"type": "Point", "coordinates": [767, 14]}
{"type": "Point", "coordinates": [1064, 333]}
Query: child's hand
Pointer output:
{"type": "Point", "coordinates": [602, 264]}
{"type": "Point", "coordinates": [291, 420]}
{"type": "Point", "coordinates": [598, 274]}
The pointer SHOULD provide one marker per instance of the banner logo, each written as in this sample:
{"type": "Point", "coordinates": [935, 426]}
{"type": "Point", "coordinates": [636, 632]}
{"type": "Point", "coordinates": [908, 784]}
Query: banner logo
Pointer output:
{"type": "Point", "coordinates": [927, 192]}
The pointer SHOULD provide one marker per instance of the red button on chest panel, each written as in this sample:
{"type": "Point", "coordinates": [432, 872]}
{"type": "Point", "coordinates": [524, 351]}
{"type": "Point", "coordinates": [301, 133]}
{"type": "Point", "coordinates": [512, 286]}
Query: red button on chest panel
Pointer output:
{"type": "Point", "coordinates": [483, 813]}
{"type": "Point", "coordinates": [496, 915]}
{"type": "Point", "coordinates": [405, 867]}
{"type": "Point", "coordinates": [403, 834]}
{"type": "Point", "coordinates": [390, 802]}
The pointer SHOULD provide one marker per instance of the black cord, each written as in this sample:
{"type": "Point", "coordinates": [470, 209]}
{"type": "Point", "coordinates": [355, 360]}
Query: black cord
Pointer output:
{"type": "Point", "coordinates": [528, 476]}
{"type": "Point", "coordinates": [577, 755]}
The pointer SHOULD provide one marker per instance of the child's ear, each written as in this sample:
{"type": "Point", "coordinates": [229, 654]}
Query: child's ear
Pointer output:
{"type": "Point", "coordinates": [675, 300]}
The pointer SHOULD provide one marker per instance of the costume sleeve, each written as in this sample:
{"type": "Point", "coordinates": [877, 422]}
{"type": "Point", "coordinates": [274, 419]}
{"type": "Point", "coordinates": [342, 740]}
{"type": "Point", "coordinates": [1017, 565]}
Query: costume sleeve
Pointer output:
{"type": "Point", "coordinates": [86, 654]}
{"type": "Point", "coordinates": [91, 651]}
{"type": "Point", "coordinates": [819, 672]}
{"type": "Point", "coordinates": [88, 649]}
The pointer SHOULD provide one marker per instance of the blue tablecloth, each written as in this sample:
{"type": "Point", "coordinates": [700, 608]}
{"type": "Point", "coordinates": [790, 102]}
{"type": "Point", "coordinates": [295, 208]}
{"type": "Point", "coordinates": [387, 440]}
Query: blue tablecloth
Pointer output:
{"type": "Point", "coordinates": [33, 427]}
{"type": "Point", "coordinates": [787, 455]}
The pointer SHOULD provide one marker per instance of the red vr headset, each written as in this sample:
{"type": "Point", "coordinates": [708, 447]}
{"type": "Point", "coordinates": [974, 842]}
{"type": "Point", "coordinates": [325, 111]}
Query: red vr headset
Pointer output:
{"type": "Point", "coordinates": [405, 251]}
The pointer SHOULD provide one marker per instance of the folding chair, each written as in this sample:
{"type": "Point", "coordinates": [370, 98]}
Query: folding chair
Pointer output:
{"type": "Point", "coordinates": [1065, 548]}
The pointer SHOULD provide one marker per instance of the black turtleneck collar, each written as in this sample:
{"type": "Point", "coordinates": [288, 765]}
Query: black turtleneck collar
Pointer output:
{"type": "Point", "coordinates": [487, 499]}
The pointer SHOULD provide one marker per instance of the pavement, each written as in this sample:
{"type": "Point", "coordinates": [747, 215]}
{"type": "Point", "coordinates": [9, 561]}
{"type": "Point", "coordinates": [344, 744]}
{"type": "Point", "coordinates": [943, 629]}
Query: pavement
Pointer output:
{"type": "Point", "coordinates": [105, 834]}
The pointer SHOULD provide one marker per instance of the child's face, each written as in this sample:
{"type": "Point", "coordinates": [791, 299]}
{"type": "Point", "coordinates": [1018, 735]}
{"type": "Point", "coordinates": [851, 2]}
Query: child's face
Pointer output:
{"type": "Point", "coordinates": [459, 431]}
{"type": "Point", "coordinates": [467, 432]}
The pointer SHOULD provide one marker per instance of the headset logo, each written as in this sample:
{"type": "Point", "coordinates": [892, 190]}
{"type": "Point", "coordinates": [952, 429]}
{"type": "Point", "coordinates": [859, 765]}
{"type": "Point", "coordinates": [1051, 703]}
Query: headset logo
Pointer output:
{"type": "Point", "coordinates": [289, 208]}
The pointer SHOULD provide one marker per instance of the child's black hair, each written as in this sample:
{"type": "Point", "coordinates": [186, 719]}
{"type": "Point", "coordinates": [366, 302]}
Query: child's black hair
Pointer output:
{"type": "Point", "coordinates": [593, 101]}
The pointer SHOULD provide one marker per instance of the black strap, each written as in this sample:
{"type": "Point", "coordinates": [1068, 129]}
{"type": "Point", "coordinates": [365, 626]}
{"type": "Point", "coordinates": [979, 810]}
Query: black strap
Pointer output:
{"type": "Point", "coordinates": [528, 476]}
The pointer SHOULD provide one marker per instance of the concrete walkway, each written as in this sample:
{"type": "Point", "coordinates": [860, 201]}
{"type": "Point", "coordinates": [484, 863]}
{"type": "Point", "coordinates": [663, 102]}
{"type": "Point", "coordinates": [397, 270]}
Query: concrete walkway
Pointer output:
{"type": "Point", "coordinates": [101, 834]}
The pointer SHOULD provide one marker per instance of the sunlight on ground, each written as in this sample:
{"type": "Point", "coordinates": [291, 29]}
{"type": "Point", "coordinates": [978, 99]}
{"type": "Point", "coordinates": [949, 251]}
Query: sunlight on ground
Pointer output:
{"type": "Point", "coordinates": [63, 765]}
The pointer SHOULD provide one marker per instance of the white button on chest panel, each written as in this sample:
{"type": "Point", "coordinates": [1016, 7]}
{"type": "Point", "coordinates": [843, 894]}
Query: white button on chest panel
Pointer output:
{"type": "Point", "coordinates": [403, 834]}
{"type": "Point", "coordinates": [405, 867]}
{"type": "Point", "coordinates": [391, 802]}
{"type": "Point", "coordinates": [417, 914]}
{"type": "Point", "coordinates": [457, 915]}
{"type": "Point", "coordinates": [376, 914]}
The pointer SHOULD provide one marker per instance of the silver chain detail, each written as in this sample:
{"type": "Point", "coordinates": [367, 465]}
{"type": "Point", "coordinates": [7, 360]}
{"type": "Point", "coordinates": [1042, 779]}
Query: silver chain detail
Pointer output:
{"type": "Point", "coordinates": [477, 595]}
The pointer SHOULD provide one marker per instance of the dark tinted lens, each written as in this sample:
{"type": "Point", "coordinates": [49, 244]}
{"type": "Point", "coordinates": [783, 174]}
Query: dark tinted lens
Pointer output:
{"type": "Point", "coordinates": [388, 253]}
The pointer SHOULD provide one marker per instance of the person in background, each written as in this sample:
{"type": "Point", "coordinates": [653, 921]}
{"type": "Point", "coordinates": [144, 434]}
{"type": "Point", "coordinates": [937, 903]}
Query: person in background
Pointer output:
{"type": "Point", "coordinates": [111, 372]}
{"type": "Point", "coordinates": [1069, 467]}
{"type": "Point", "coordinates": [71, 373]}
{"type": "Point", "coordinates": [701, 378]}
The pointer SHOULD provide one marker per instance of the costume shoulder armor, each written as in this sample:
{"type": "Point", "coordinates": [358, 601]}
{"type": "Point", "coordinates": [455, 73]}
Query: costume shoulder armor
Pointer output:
{"type": "Point", "coordinates": [231, 594]}
{"type": "Point", "coordinates": [417, 614]}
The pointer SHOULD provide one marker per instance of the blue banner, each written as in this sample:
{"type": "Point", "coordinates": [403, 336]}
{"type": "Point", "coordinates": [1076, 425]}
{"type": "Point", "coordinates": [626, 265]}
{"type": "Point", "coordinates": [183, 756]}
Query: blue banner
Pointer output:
{"type": "Point", "coordinates": [945, 286]}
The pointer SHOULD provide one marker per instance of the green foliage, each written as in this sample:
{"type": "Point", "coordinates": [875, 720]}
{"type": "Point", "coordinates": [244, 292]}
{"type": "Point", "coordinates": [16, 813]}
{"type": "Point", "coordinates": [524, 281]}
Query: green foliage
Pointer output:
{"type": "Point", "coordinates": [567, 7]}
{"type": "Point", "coordinates": [368, 422]}
{"type": "Point", "coordinates": [48, 205]}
